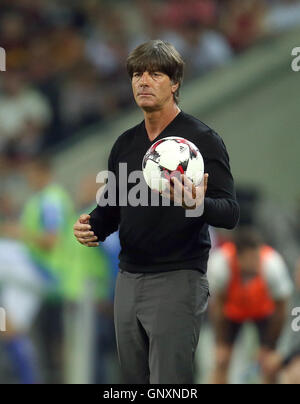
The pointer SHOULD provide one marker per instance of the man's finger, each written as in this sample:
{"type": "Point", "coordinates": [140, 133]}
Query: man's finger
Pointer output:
{"type": "Point", "coordinates": [205, 182]}
{"type": "Point", "coordinates": [84, 234]}
{"type": "Point", "coordinates": [81, 227]}
{"type": "Point", "coordinates": [189, 199]}
{"type": "Point", "coordinates": [168, 192]}
{"type": "Point", "coordinates": [84, 237]}
{"type": "Point", "coordinates": [190, 188]}
{"type": "Point", "coordinates": [84, 218]}
{"type": "Point", "coordinates": [171, 190]}
{"type": "Point", "coordinates": [185, 192]}
{"type": "Point", "coordinates": [178, 190]}
{"type": "Point", "coordinates": [187, 182]}
{"type": "Point", "coordinates": [87, 240]}
{"type": "Point", "coordinates": [92, 244]}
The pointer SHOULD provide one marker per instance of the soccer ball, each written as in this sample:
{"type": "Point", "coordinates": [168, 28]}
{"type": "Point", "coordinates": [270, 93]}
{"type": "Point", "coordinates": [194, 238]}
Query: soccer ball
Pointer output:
{"type": "Point", "coordinates": [169, 157]}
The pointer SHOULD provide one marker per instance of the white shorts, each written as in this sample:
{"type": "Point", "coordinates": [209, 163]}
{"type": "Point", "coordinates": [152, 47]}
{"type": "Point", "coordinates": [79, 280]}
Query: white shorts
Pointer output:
{"type": "Point", "coordinates": [21, 286]}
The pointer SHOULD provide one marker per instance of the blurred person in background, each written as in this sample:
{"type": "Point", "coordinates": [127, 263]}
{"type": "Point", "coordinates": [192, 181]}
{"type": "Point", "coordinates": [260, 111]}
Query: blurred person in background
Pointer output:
{"type": "Point", "coordinates": [282, 16]}
{"type": "Point", "coordinates": [20, 296]}
{"type": "Point", "coordinates": [106, 48]}
{"type": "Point", "coordinates": [206, 49]}
{"type": "Point", "coordinates": [46, 220]}
{"type": "Point", "coordinates": [15, 36]}
{"type": "Point", "coordinates": [21, 292]}
{"type": "Point", "coordinates": [85, 99]}
{"type": "Point", "coordinates": [250, 283]}
{"type": "Point", "coordinates": [290, 370]}
{"type": "Point", "coordinates": [101, 266]}
{"type": "Point", "coordinates": [24, 116]}
{"type": "Point", "coordinates": [195, 22]}
{"type": "Point", "coordinates": [106, 338]}
{"type": "Point", "coordinates": [107, 43]}
{"type": "Point", "coordinates": [242, 22]}
{"type": "Point", "coordinates": [288, 364]}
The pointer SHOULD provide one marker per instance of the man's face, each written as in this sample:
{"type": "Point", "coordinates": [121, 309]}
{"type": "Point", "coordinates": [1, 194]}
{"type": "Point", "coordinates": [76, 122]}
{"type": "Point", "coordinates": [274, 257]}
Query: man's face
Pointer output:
{"type": "Point", "coordinates": [152, 90]}
{"type": "Point", "coordinates": [249, 261]}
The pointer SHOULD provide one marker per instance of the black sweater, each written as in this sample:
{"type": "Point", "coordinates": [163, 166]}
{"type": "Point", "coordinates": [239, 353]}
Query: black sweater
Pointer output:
{"type": "Point", "coordinates": [161, 238]}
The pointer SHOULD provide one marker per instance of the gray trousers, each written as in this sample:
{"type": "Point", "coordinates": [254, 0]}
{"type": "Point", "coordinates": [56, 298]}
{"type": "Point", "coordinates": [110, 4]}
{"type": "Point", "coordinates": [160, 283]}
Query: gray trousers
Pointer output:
{"type": "Point", "coordinates": [157, 321]}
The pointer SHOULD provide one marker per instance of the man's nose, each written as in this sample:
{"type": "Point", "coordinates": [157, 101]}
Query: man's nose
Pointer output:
{"type": "Point", "coordinates": [144, 79]}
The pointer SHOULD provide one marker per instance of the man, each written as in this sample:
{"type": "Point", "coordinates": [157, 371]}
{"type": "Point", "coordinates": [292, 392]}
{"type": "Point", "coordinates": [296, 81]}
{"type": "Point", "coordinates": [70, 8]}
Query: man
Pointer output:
{"type": "Point", "coordinates": [250, 282]}
{"type": "Point", "coordinates": [162, 289]}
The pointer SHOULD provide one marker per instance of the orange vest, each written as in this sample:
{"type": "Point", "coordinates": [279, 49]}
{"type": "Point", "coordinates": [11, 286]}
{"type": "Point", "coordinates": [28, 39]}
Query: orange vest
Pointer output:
{"type": "Point", "coordinates": [251, 300]}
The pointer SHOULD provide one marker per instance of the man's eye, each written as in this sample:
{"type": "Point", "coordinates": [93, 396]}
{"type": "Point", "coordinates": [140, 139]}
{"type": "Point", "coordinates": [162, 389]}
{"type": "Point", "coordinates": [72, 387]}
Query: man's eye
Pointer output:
{"type": "Point", "coordinates": [136, 74]}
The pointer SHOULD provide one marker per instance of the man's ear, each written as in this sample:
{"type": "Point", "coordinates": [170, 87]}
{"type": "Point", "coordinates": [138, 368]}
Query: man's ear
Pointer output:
{"type": "Point", "coordinates": [174, 87]}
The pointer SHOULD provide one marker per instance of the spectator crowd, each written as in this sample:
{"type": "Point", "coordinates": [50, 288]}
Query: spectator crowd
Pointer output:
{"type": "Point", "coordinates": [65, 59]}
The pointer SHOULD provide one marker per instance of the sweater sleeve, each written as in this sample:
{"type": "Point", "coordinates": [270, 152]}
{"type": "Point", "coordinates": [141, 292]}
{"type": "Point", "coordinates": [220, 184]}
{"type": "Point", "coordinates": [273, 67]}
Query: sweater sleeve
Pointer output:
{"type": "Point", "coordinates": [220, 206]}
{"type": "Point", "coordinates": [105, 218]}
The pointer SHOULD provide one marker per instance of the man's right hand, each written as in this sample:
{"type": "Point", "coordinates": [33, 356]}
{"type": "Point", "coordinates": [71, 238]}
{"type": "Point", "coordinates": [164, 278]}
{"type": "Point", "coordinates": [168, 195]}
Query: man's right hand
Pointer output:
{"type": "Point", "coordinates": [83, 233]}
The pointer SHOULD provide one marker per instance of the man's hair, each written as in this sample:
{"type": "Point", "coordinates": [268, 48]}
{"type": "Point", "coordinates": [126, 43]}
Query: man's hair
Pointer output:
{"type": "Point", "coordinates": [157, 56]}
{"type": "Point", "coordinates": [247, 238]}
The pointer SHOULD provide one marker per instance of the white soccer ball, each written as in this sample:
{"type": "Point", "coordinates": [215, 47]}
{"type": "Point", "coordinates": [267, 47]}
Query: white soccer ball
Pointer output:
{"type": "Point", "coordinates": [172, 156]}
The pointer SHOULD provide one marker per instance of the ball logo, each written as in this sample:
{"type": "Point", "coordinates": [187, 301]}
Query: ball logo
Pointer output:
{"type": "Point", "coordinates": [2, 320]}
{"type": "Point", "coordinates": [2, 60]}
{"type": "Point", "coordinates": [296, 321]}
{"type": "Point", "coordinates": [296, 61]}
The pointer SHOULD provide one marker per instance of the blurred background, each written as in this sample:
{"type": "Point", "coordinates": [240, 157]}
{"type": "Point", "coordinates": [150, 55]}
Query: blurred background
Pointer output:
{"type": "Point", "coordinates": [64, 99]}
